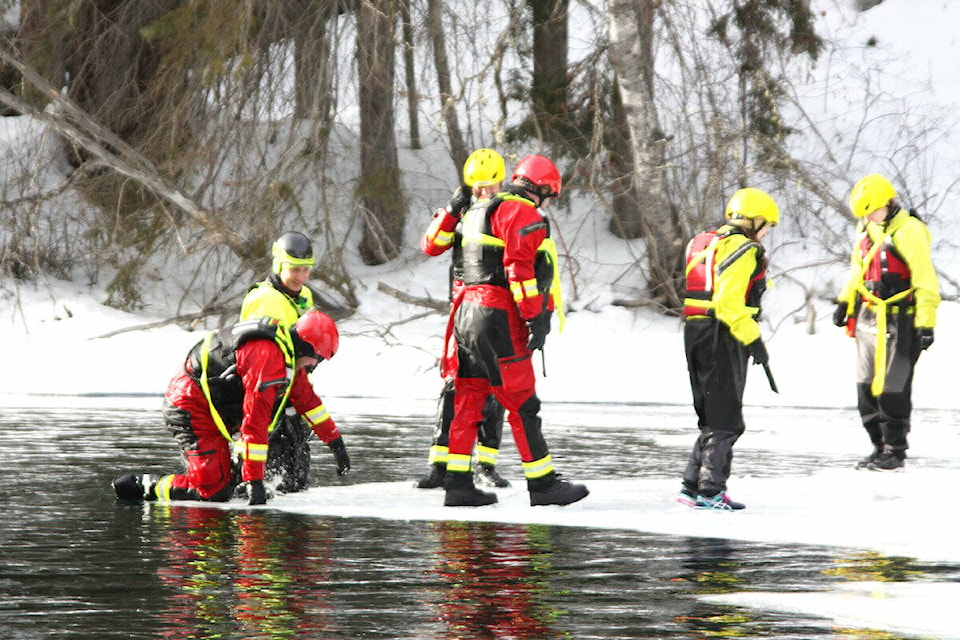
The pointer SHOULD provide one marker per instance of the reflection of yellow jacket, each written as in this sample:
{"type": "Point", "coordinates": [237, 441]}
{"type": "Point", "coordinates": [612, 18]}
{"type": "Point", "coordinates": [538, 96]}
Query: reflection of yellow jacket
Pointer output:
{"type": "Point", "coordinates": [910, 238]}
{"type": "Point", "coordinates": [737, 269]}
{"type": "Point", "coordinates": [264, 300]}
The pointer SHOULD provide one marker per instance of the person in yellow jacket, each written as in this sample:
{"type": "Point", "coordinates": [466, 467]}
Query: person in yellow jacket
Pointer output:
{"type": "Point", "coordinates": [892, 291]}
{"type": "Point", "coordinates": [286, 296]}
{"type": "Point", "coordinates": [725, 278]}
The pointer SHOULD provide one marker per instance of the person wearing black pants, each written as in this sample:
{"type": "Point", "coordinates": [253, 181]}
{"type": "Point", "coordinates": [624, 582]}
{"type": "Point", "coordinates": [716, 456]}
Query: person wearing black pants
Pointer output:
{"type": "Point", "coordinates": [724, 282]}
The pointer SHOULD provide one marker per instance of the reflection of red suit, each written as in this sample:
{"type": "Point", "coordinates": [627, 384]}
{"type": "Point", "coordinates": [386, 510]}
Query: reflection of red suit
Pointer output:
{"type": "Point", "coordinates": [263, 372]}
{"type": "Point", "coordinates": [244, 574]}
{"type": "Point", "coordinates": [494, 589]}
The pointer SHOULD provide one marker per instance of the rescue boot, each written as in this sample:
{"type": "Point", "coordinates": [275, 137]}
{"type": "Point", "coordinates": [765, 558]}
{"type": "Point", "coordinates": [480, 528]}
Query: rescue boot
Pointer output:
{"type": "Point", "coordinates": [550, 489]}
{"type": "Point", "coordinates": [870, 459]}
{"type": "Point", "coordinates": [462, 493]}
{"type": "Point", "coordinates": [888, 461]}
{"type": "Point", "coordinates": [135, 486]}
{"type": "Point", "coordinates": [434, 477]}
{"type": "Point", "coordinates": [486, 475]}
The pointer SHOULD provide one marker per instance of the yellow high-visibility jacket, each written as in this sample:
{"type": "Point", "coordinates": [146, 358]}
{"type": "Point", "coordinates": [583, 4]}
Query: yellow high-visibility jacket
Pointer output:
{"type": "Point", "coordinates": [264, 300]}
{"type": "Point", "coordinates": [909, 239]}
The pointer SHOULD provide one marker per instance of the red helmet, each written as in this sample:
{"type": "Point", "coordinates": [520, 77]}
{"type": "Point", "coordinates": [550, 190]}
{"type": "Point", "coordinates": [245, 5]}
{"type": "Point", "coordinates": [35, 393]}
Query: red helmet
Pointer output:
{"type": "Point", "coordinates": [541, 172]}
{"type": "Point", "coordinates": [319, 331]}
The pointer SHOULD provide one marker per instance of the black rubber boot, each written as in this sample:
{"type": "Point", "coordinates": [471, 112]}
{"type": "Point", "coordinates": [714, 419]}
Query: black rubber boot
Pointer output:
{"type": "Point", "coordinates": [552, 490]}
{"type": "Point", "coordinates": [462, 493]}
{"type": "Point", "coordinates": [888, 461]}
{"type": "Point", "coordinates": [870, 459]}
{"type": "Point", "coordinates": [486, 475]}
{"type": "Point", "coordinates": [135, 486]}
{"type": "Point", "coordinates": [434, 477]}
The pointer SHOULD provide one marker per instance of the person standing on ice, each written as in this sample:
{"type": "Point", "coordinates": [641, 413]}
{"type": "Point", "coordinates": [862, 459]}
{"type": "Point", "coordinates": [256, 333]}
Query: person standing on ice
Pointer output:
{"type": "Point", "coordinates": [501, 315]}
{"type": "Point", "coordinates": [236, 382]}
{"type": "Point", "coordinates": [285, 295]}
{"type": "Point", "coordinates": [893, 291]}
{"type": "Point", "coordinates": [483, 175]}
{"type": "Point", "coordinates": [725, 279]}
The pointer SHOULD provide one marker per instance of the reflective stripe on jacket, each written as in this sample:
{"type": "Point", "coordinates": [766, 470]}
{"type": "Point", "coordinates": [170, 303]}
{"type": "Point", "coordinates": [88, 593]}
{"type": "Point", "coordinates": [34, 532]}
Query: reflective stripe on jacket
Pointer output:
{"type": "Point", "coordinates": [506, 243]}
{"type": "Point", "coordinates": [725, 280]}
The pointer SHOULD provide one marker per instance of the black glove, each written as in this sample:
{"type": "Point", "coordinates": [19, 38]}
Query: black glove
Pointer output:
{"type": "Point", "coordinates": [460, 201]}
{"type": "Point", "coordinates": [759, 352]}
{"type": "Point", "coordinates": [539, 327]}
{"type": "Point", "coordinates": [925, 337]}
{"type": "Point", "coordinates": [340, 455]}
{"type": "Point", "coordinates": [840, 314]}
{"type": "Point", "coordinates": [258, 493]}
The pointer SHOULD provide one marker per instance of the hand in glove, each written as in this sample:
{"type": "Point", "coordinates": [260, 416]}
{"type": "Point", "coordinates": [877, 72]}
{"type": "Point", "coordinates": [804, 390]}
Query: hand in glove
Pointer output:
{"type": "Point", "coordinates": [539, 327]}
{"type": "Point", "coordinates": [840, 314]}
{"type": "Point", "coordinates": [258, 493]}
{"type": "Point", "coordinates": [340, 455]}
{"type": "Point", "coordinates": [460, 201]}
{"type": "Point", "coordinates": [759, 352]}
{"type": "Point", "coordinates": [925, 337]}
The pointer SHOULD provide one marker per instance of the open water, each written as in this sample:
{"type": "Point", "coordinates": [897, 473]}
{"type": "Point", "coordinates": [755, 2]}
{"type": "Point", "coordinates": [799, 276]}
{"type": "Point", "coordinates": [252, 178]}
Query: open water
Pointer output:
{"type": "Point", "coordinates": [75, 563]}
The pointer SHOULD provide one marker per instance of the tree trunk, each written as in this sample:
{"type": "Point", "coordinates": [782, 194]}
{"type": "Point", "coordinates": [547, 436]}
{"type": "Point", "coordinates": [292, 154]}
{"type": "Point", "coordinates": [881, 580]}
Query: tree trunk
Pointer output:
{"type": "Point", "coordinates": [631, 54]}
{"type": "Point", "coordinates": [413, 100]}
{"type": "Point", "coordinates": [313, 79]}
{"type": "Point", "coordinates": [458, 149]}
{"type": "Point", "coordinates": [379, 191]}
{"type": "Point", "coordinates": [550, 66]}
{"type": "Point", "coordinates": [625, 221]}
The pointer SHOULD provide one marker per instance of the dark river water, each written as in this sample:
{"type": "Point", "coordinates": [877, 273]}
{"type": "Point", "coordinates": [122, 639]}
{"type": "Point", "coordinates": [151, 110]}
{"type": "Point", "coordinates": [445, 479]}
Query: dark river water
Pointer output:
{"type": "Point", "coordinates": [78, 564]}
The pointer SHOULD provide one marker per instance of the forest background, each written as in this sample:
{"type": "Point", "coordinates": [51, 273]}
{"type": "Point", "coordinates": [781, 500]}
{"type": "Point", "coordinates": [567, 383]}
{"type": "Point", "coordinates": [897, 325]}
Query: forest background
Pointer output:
{"type": "Point", "coordinates": [161, 146]}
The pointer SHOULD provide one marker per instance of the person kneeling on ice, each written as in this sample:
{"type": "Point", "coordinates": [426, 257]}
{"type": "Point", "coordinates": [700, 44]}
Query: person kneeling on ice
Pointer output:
{"type": "Point", "coordinates": [725, 278]}
{"type": "Point", "coordinates": [235, 382]}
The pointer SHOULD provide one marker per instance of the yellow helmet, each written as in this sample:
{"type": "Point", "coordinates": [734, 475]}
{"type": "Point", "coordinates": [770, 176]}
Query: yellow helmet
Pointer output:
{"type": "Point", "coordinates": [483, 168]}
{"type": "Point", "coordinates": [753, 203]}
{"type": "Point", "coordinates": [869, 194]}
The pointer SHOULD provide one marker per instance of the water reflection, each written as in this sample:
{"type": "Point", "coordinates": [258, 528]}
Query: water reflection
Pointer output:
{"type": "Point", "coordinates": [77, 564]}
{"type": "Point", "coordinates": [237, 572]}
{"type": "Point", "coordinates": [498, 581]}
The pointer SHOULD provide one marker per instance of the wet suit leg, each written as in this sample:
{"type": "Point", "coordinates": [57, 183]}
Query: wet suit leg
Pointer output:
{"type": "Point", "coordinates": [288, 458]}
{"type": "Point", "coordinates": [886, 418]}
{"type": "Point", "coordinates": [717, 364]}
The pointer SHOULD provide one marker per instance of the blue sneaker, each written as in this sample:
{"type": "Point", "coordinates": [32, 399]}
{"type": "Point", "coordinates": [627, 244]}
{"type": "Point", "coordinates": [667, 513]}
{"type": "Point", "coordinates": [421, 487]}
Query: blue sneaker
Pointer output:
{"type": "Point", "coordinates": [719, 502]}
{"type": "Point", "coordinates": [687, 498]}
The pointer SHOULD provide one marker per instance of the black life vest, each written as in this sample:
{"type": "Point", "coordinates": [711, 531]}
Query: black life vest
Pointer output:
{"type": "Point", "coordinates": [218, 351]}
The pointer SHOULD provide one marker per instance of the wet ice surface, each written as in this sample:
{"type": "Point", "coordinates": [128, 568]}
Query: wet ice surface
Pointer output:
{"type": "Point", "coordinates": [820, 550]}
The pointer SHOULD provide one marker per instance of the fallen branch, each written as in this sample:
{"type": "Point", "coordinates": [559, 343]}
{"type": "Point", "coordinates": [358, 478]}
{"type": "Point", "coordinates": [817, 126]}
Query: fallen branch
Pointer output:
{"type": "Point", "coordinates": [190, 318]}
{"type": "Point", "coordinates": [441, 306]}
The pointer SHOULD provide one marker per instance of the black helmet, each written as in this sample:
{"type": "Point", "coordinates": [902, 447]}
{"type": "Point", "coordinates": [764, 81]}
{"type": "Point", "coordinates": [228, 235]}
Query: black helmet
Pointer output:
{"type": "Point", "coordinates": [294, 249]}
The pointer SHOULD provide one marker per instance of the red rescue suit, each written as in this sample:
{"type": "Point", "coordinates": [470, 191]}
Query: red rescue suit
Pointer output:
{"type": "Point", "coordinates": [442, 235]}
{"type": "Point", "coordinates": [501, 291]}
{"type": "Point", "coordinates": [263, 373]}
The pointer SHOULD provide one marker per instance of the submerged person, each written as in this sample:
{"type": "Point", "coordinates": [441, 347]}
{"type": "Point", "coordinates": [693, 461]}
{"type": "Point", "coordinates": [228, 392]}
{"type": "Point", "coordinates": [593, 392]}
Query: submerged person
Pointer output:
{"type": "Point", "coordinates": [228, 394]}
{"type": "Point", "coordinates": [893, 291]}
{"type": "Point", "coordinates": [724, 283]}
{"type": "Point", "coordinates": [483, 175]}
{"type": "Point", "coordinates": [285, 295]}
{"type": "Point", "coordinates": [501, 316]}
